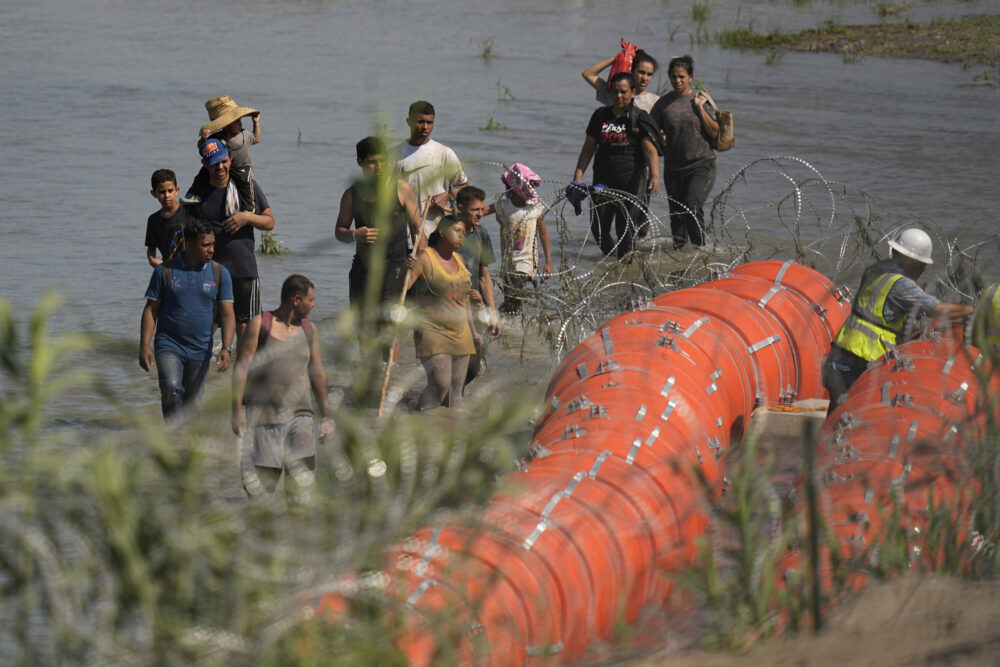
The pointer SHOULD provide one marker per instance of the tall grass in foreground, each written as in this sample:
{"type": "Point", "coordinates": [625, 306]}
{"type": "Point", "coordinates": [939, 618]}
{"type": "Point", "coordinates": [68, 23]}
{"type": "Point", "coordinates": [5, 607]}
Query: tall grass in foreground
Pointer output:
{"type": "Point", "coordinates": [119, 547]}
{"type": "Point", "coordinates": [750, 595]}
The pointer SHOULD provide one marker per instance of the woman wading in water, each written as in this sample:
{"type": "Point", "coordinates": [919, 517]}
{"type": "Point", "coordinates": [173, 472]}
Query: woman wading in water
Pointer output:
{"type": "Point", "coordinates": [688, 159]}
{"type": "Point", "coordinates": [621, 139]}
{"type": "Point", "coordinates": [445, 336]}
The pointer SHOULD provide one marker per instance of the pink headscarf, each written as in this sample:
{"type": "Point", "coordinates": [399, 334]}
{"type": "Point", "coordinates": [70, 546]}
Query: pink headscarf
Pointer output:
{"type": "Point", "coordinates": [521, 179]}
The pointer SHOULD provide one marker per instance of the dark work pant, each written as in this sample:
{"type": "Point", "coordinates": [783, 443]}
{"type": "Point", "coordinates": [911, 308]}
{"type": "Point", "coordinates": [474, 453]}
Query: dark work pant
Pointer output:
{"type": "Point", "coordinates": [841, 369]}
{"type": "Point", "coordinates": [625, 209]}
{"type": "Point", "coordinates": [687, 192]}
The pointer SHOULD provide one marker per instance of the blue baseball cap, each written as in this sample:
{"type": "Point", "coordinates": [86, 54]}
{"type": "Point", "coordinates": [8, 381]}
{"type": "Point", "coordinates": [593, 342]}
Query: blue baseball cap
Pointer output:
{"type": "Point", "coordinates": [213, 151]}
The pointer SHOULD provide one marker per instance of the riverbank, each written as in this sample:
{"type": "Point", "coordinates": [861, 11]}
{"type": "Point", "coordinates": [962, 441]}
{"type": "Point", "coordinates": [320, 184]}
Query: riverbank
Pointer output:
{"type": "Point", "coordinates": [969, 41]}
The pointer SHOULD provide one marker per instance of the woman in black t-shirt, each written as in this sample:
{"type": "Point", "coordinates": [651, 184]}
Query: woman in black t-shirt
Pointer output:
{"type": "Point", "coordinates": [621, 139]}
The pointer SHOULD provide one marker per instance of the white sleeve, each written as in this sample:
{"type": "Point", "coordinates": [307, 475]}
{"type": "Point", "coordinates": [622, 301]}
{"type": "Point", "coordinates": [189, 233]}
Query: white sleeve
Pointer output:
{"type": "Point", "coordinates": [453, 167]}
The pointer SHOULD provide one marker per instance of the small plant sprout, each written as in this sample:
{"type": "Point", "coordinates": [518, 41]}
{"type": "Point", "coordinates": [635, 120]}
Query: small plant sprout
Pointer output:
{"type": "Point", "coordinates": [485, 46]}
{"type": "Point", "coordinates": [270, 245]}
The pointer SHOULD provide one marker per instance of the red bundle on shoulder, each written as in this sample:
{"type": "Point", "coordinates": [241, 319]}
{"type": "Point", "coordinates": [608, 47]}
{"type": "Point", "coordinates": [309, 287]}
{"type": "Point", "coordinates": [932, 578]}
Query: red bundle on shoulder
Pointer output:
{"type": "Point", "coordinates": [623, 61]}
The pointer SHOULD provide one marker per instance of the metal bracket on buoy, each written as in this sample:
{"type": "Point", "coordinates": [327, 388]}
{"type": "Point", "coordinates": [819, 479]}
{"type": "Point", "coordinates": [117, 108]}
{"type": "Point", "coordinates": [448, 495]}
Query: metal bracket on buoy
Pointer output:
{"type": "Point", "coordinates": [571, 487]}
{"type": "Point", "coordinates": [901, 400]}
{"type": "Point", "coordinates": [783, 270]}
{"type": "Point", "coordinates": [668, 386]}
{"type": "Point", "coordinates": [959, 393]}
{"type": "Point", "coordinates": [607, 366]}
{"type": "Point", "coordinates": [770, 340]}
{"type": "Point", "coordinates": [667, 411]}
{"type": "Point", "coordinates": [573, 431]}
{"type": "Point", "coordinates": [598, 412]}
{"type": "Point", "coordinates": [537, 451]}
{"type": "Point", "coordinates": [598, 462]}
{"type": "Point", "coordinates": [640, 413]}
{"type": "Point", "coordinates": [715, 445]}
{"type": "Point", "coordinates": [697, 324]}
{"type": "Point", "coordinates": [894, 446]}
{"type": "Point", "coordinates": [578, 403]}
{"type": "Point", "coordinates": [609, 348]}
{"type": "Point", "coordinates": [581, 371]}
{"type": "Point", "coordinates": [770, 295]}
{"type": "Point", "coordinates": [949, 362]}
{"type": "Point", "coordinates": [430, 551]}
{"type": "Point", "coordinates": [667, 341]}
{"type": "Point", "coordinates": [530, 540]}
{"type": "Point", "coordinates": [670, 326]}
{"type": "Point", "coordinates": [634, 451]}
{"type": "Point", "coordinates": [846, 422]}
{"type": "Point", "coordinates": [419, 592]}
{"type": "Point", "coordinates": [535, 651]}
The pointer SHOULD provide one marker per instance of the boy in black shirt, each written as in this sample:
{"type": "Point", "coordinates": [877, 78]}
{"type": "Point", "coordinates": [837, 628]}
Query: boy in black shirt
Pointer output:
{"type": "Point", "coordinates": [164, 229]}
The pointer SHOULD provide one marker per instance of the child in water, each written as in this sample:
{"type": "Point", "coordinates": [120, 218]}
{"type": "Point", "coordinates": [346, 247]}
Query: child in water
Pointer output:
{"type": "Point", "coordinates": [522, 221]}
{"type": "Point", "coordinates": [226, 125]}
{"type": "Point", "coordinates": [164, 229]}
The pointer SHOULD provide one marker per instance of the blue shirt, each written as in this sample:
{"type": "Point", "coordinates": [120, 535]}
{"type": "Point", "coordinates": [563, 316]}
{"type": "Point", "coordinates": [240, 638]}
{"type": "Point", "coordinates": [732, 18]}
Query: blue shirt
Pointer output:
{"type": "Point", "coordinates": [187, 306]}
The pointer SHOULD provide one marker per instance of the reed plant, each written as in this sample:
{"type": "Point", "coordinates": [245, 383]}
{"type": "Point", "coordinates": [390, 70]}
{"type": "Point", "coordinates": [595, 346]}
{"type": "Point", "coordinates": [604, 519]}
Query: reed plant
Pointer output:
{"type": "Point", "coordinates": [130, 545]}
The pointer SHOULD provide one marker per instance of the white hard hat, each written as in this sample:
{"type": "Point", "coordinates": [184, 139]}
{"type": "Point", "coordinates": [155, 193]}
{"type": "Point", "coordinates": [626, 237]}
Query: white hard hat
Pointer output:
{"type": "Point", "coordinates": [915, 244]}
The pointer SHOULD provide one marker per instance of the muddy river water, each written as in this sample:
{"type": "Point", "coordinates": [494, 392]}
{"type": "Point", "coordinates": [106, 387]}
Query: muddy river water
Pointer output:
{"type": "Point", "coordinates": [97, 94]}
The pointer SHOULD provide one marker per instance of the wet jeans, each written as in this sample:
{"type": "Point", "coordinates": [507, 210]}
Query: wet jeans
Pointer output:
{"type": "Point", "coordinates": [181, 380]}
{"type": "Point", "coordinates": [687, 192]}
{"type": "Point", "coordinates": [625, 209]}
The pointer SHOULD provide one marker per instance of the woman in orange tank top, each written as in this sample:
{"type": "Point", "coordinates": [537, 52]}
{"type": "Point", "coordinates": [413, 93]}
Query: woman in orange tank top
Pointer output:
{"type": "Point", "coordinates": [444, 336]}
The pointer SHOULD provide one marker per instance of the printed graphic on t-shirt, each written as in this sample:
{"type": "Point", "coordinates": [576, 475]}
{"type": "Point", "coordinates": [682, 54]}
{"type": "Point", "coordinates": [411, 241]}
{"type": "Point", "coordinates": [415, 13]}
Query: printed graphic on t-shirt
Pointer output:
{"type": "Point", "coordinates": [614, 132]}
{"type": "Point", "coordinates": [520, 237]}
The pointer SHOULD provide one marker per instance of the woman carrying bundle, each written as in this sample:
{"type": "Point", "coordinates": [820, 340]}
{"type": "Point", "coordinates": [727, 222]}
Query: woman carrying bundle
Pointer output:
{"type": "Point", "coordinates": [687, 125]}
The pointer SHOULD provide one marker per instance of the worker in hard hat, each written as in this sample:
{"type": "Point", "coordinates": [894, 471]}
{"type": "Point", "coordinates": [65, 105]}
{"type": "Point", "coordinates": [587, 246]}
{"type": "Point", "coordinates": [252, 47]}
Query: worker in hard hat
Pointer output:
{"type": "Point", "coordinates": [986, 323]}
{"type": "Point", "coordinates": [888, 298]}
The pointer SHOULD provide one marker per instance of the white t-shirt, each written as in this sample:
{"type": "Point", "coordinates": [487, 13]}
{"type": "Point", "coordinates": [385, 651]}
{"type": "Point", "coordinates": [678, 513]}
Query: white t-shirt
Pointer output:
{"type": "Point", "coordinates": [644, 100]}
{"type": "Point", "coordinates": [431, 169]}
{"type": "Point", "coordinates": [518, 237]}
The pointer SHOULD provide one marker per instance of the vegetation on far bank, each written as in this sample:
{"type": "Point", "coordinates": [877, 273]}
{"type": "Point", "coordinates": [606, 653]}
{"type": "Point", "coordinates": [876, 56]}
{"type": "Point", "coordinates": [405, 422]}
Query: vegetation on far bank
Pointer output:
{"type": "Point", "coordinates": [969, 41]}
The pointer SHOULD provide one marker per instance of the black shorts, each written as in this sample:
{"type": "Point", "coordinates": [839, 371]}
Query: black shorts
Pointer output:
{"type": "Point", "coordinates": [392, 284]}
{"type": "Point", "coordinates": [246, 298]}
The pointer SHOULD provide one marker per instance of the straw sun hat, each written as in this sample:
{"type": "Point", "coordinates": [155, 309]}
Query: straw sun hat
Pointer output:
{"type": "Point", "coordinates": [222, 111]}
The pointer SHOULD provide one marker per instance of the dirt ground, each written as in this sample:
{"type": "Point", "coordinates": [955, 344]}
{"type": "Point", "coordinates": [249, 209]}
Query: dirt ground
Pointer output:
{"type": "Point", "coordinates": [917, 620]}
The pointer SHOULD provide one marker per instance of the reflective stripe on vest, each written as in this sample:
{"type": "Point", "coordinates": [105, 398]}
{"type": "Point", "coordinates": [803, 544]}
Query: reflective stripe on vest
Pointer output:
{"type": "Point", "coordinates": [986, 327]}
{"type": "Point", "coordinates": [866, 333]}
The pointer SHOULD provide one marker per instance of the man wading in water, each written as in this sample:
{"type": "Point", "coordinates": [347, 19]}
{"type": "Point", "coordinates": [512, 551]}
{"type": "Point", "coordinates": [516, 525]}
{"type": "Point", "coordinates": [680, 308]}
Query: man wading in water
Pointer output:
{"type": "Point", "coordinates": [278, 376]}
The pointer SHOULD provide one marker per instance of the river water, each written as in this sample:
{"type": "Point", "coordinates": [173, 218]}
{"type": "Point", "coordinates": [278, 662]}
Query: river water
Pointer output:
{"type": "Point", "coordinates": [99, 93]}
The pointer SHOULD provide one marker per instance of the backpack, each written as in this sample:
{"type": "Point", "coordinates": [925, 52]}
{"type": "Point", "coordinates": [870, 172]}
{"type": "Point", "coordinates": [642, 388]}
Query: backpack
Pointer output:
{"type": "Point", "coordinates": [267, 319]}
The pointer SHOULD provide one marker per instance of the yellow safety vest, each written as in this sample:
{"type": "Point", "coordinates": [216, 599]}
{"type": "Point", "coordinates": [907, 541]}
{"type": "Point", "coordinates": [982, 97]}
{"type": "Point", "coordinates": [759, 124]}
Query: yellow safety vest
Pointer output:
{"type": "Point", "coordinates": [986, 322]}
{"type": "Point", "coordinates": [866, 333]}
